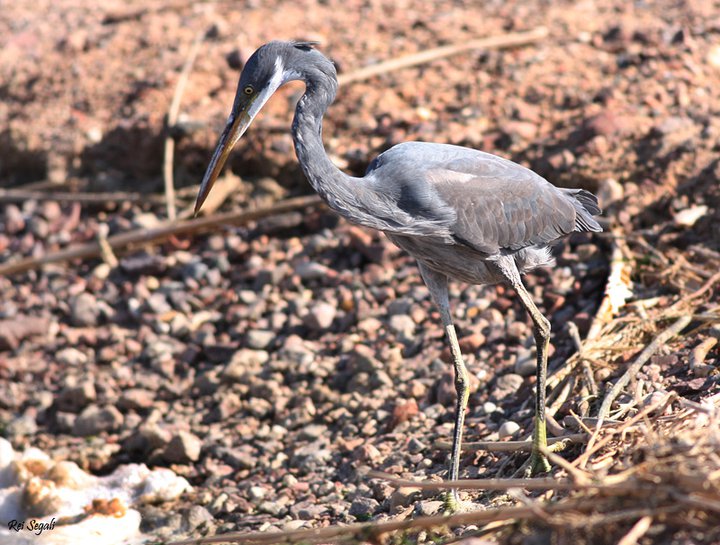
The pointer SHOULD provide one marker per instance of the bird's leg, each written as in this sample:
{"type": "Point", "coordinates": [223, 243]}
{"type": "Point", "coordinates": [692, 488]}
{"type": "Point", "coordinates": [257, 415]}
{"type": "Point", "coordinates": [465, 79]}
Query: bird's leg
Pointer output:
{"type": "Point", "coordinates": [541, 330]}
{"type": "Point", "coordinates": [437, 284]}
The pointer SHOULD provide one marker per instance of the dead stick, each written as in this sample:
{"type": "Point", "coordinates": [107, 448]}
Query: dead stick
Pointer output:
{"type": "Point", "coordinates": [370, 532]}
{"type": "Point", "coordinates": [638, 530]}
{"type": "Point", "coordinates": [160, 233]}
{"type": "Point", "coordinates": [699, 292]}
{"type": "Point", "coordinates": [512, 39]}
{"type": "Point", "coordinates": [172, 116]}
{"type": "Point", "coordinates": [594, 444]}
{"type": "Point", "coordinates": [22, 195]}
{"type": "Point", "coordinates": [641, 360]}
{"type": "Point", "coordinates": [512, 446]}
{"type": "Point", "coordinates": [506, 484]}
{"type": "Point", "coordinates": [617, 289]}
{"type": "Point", "coordinates": [700, 352]}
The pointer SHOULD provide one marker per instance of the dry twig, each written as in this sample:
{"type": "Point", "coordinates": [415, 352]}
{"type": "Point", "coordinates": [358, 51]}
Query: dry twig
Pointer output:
{"type": "Point", "coordinates": [641, 360]}
{"type": "Point", "coordinates": [143, 237]}
{"type": "Point", "coordinates": [22, 195]}
{"type": "Point", "coordinates": [506, 484]}
{"type": "Point", "coordinates": [637, 531]}
{"type": "Point", "coordinates": [512, 39]}
{"type": "Point", "coordinates": [371, 532]}
{"type": "Point", "coordinates": [511, 446]}
{"type": "Point", "coordinates": [172, 116]}
{"type": "Point", "coordinates": [617, 289]}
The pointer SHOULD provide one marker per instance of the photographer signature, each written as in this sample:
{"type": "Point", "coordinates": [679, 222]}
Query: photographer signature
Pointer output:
{"type": "Point", "coordinates": [31, 525]}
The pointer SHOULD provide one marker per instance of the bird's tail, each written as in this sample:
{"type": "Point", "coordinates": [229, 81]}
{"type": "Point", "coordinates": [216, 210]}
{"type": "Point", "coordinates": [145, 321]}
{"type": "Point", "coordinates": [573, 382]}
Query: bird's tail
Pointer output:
{"type": "Point", "coordinates": [586, 206]}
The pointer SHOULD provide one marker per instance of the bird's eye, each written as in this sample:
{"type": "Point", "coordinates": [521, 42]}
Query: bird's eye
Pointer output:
{"type": "Point", "coordinates": [248, 90]}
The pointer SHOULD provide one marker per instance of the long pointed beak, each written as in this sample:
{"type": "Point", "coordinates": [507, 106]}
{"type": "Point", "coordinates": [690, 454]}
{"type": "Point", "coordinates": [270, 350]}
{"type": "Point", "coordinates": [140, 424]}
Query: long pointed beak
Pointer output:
{"type": "Point", "coordinates": [237, 124]}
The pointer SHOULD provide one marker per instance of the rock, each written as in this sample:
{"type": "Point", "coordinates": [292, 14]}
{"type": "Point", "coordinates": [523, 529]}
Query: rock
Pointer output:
{"type": "Point", "coordinates": [22, 426]}
{"type": "Point", "coordinates": [196, 516]}
{"type": "Point", "coordinates": [403, 497]}
{"type": "Point", "coordinates": [257, 493]}
{"type": "Point", "coordinates": [245, 362]}
{"type": "Point", "coordinates": [146, 439]}
{"type": "Point", "coordinates": [609, 191]}
{"type": "Point", "coordinates": [415, 446]}
{"type": "Point", "coordinates": [489, 407]}
{"type": "Point", "coordinates": [50, 210]}
{"type": "Point", "coordinates": [403, 326]}
{"type": "Point", "coordinates": [95, 420]}
{"type": "Point", "coordinates": [399, 306]}
{"type": "Point", "coordinates": [428, 508]}
{"type": "Point", "coordinates": [688, 216]}
{"type": "Point", "coordinates": [84, 311]}
{"type": "Point", "coordinates": [136, 399]}
{"type": "Point", "coordinates": [713, 57]}
{"type": "Point", "coordinates": [242, 457]}
{"type": "Point", "coordinates": [508, 429]}
{"type": "Point", "coordinates": [525, 364]}
{"type": "Point", "coordinates": [74, 398]}
{"type": "Point", "coordinates": [363, 508]}
{"type": "Point", "coordinates": [14, 220]}
{"type": "Point", "coordinates": [183, 448]}
{"type": "Point", "coordinates": [274, 508]}
{"type": "Point", "coordinates": [470, 343]}
{"type": "Point", "coordinates": [311, 432]}
{"type": "Point", "coordinates": [65, 421]}
{"type": "Point", "coordinates": [507, 385]}
{"type": "Point", "coordinates": [523, 129]}
{"type": "Point", "coordinates": [259, 338]}
{"type": "Point", "coordinates": [308, 510]}
{"type": "Point", "coordinates": [607, 123]}
{"type": "Point", "coordinates": [308, 271]}
{"type": "Point", "coordinates": [369, 326]}
{"type": "Point", "coordinates": [146, 220]}
{"type": "Point", "coordinates": [157, 303]}
{"type": "Point", "coordinates": [402, 412]}
{"type": "Point", "coordinates": [320, 317]}
{"type": "Point", "coordinates": [39, 227]}
{"type": "Point", "coordinates": [71, 357]}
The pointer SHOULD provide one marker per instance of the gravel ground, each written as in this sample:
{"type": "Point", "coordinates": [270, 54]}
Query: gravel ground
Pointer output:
{"type": "Point", "coordinates": [272, 364]}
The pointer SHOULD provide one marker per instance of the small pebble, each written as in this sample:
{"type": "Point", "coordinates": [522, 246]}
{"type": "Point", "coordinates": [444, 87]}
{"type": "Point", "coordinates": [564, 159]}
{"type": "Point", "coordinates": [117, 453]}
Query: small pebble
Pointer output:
{"type": "Point", "coordinates": [363, 508]}
{"type": "Point", "coordinates": [183, 448]}
{"type": "Point", "coordinates": [320, 317]}
{"type": "Point", "coordinates": [508, 429]}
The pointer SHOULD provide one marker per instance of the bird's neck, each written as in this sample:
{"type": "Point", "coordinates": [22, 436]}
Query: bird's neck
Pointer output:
{"type": "Point", "coordinates": [333, 185]}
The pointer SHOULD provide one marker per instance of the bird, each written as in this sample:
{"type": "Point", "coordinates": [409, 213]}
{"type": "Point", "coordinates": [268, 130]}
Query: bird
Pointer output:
{"type": "Point", "coordinates": [463, 214]}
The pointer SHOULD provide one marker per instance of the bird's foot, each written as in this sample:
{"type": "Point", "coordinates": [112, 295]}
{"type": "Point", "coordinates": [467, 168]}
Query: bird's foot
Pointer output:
{"type": "Point", "coordinates": [538, 462]}
{"type": "Point", "coordinates": [452, 503]}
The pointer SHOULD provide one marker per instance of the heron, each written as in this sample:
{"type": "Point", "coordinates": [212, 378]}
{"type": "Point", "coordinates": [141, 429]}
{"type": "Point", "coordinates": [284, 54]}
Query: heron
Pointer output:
{"type": "Point", "coordinates": [463, 214]}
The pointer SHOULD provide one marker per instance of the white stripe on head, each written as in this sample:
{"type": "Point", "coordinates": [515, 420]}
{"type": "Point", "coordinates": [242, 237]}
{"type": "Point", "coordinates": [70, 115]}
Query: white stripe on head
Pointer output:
{"type": "Point", "coordinates": [277, 79]}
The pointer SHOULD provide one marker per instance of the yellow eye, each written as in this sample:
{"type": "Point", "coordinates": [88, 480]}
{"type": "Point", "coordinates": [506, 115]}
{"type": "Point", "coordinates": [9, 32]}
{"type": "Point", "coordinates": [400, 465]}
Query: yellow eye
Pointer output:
{"type": "Point", "coordinates": [248, 90]}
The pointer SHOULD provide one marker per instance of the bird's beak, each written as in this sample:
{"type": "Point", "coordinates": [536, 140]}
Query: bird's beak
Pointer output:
{"type": "Point", "coordinates": [237, 124]}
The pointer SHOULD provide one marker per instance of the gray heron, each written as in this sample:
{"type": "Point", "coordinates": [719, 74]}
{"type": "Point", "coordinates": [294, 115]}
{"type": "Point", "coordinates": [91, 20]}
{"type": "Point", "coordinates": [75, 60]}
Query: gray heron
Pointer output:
{"type": "Point", "coordinates": [462, 213]}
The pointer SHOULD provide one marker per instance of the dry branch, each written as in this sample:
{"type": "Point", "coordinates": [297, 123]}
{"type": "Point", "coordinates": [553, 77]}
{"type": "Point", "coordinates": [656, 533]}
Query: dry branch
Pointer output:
{"type": "Point", "coordinates": [142, 237]}
{"type": "Point", "coordinates": [22, 195]}
{"type": "Point", "coordinates": [677, 326]}
{"type": "Point", "coordinates": [617, 289]}
{"type": "Point", "coordinates": [511, 446]}
{"type": "Point", "coordinates": [172, 116]}
{"type": "Point", "coordinates": [512, 39]}
{"type": "Point", "coordinates": [507, 484]}
{"type": "Point", "coordinates": [371, 532]}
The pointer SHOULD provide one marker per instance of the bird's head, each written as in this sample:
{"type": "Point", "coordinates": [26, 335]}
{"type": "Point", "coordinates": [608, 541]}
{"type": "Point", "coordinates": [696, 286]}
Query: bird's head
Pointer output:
{"type": "Point", "coordinates": [271, 66]}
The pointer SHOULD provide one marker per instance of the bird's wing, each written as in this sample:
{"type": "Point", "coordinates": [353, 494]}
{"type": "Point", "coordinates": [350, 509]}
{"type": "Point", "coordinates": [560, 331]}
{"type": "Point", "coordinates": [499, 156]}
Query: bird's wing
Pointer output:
{"type": "Point", "coordinates": [487, 203]}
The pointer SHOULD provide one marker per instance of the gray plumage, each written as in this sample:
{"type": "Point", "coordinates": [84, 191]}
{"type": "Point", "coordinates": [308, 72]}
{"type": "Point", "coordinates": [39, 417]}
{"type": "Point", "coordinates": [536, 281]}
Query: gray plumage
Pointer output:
{"type": "Point", "coordinates": [462, 213]}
